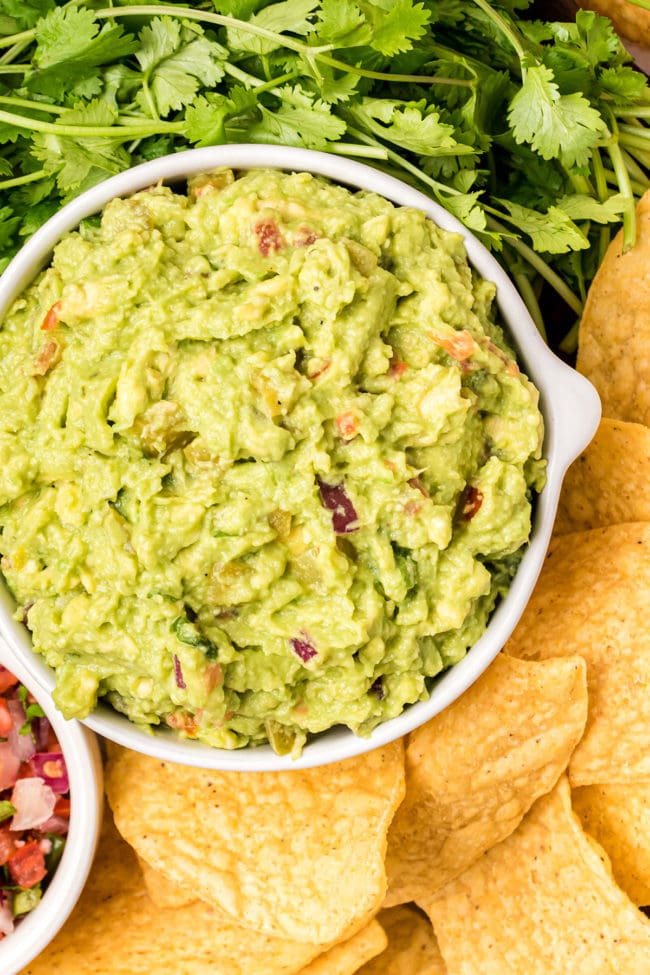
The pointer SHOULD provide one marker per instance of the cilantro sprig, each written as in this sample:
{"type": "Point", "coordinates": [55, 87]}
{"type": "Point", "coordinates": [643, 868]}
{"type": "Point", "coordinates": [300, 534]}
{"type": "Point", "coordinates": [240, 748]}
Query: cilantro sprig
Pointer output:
{"type": "Point", "coordinates": [536, 134]}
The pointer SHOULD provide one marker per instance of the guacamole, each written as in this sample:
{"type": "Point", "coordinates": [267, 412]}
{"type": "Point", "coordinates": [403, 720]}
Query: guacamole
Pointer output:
{"type": "Point", "coordinates": [267, 461]}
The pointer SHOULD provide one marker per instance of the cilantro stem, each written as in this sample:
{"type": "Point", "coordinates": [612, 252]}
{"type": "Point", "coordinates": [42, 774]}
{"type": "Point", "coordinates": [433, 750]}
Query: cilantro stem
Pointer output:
{"type": "Point", "coordinates": [97, 131]}
{"type": "Point", "coordinates": [387, 76]}
{"type": "Point", "coordinates": [505, 29]}
{"type": "Point", "coordinates": [623, 178]}
{"type": "Point", "coordinates": [11, 39]}
{"type": "Point", "coordinates": [250, 81]}
{"type": "Point", "coordinates": [14, 68]}
{"type": "Point", "coordinates": [540, 265]}
{"type": "Point", "coordinates": [527, 292]}
{"type": "Point", "coordinates": [6, 184]}
{"type": "Point", "coordinates": [29, 103]}
{"type": "Point", "coordinates": [600, 179]}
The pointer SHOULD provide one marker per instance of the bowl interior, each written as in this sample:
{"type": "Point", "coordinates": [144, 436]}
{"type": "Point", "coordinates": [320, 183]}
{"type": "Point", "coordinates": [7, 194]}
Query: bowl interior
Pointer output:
{"type": "Point", "coordinates": [569, 404]}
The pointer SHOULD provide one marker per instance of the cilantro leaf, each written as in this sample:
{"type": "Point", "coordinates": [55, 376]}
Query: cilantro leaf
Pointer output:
{"type": "Point", "coordinates": [579, 206]}
{"type": "Point", "coordinates": [406, 125]}
{"type": "Point", "coordinates": [175, 60]}
{"type": "Point", "coordinates": [553, 232]}
{"type": "Point", "coordinates": [341, 21]}
{"type": "Point", "coordinates": [71, 47]}
{"type": "Point", "coordinates": [299, 120]}
{"type": "Point", "coordinates": [290, 15]}
{"type": "Point", "coordinates": [24, 13]}
{"type": "Point", "coordinates": [564, 126]}
{"type": "Point", "coordinates": [624, 84]}
{"type": "Point", "coordinates": [396, 24]}
{"type": "Point", "coordinates": [205, 118]}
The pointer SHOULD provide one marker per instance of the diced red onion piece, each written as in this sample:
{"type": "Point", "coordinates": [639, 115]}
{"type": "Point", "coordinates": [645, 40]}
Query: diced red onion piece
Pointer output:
{"type": "Point", "coordinates": [9, 766]}
{"type": "Point", "coordinates": [41, 731]}
{"type": "Point", "coordinates": [303, 647]}
{"type": "Point", "coordinates": [336, 499]}
{"type": "Point", "coordinates": [178, 674]}
{"type": "Point", "coordinates": [51, 767]}
{"type": "Point", "coordinates": [34, 802]}
{"type": "Point", "coordinates": [59, 825]}
{"type": "Point", "coordinates": [22, 746]}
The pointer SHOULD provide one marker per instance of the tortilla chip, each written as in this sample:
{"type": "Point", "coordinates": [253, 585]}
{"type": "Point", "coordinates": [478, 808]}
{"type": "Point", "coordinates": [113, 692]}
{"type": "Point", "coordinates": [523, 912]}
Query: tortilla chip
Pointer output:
{"type": "Point", "coordinates": [618, 816]}
{"type": "Point", "coordinates": [297, 854]}
{"type": "Point", "coordinates": [591, 598]}
{"type": "Point", "coordinates": [607, 484]}
{"type": "Point", "coordinates": [614, 336]}
{"type": "Point", "coordinates": [163, 892]}
{"type": "Point", "coordinates": [542, 902]}
{"type": "Point", "coordinates": [475, 769]}
{"type": "Point", "coordinates": [347, 957]}
{"type": "Point", "coordinates": [116, 929]}
{"type": "Point", "coordinates": [412, 945]}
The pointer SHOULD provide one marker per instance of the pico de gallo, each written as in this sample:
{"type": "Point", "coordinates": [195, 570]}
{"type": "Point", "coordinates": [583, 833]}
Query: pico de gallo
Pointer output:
{"type": "Point", "coordinates": [34, 801]}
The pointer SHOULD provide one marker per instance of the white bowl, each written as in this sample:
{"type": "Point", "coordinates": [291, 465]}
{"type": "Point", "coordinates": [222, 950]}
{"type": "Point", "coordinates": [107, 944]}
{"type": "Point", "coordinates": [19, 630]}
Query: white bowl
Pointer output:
{"type": "Point", "coordinates": [569, 403]}
{"type": "Point", "coordinates": [83, 761]}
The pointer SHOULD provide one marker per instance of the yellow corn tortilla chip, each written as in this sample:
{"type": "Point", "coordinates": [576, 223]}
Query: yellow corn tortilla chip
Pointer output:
{"type": "Point", "coordinates": [591, 599]}
{"type": "Point", "coordinates": [476, 768]}
{"type": "Point", "coordinates": [614, 336]}
{"type": "Point", "coordinates": [163, 892]}
{"type": "Point", "coordinates": [116, 929]}
{"type": "Point", "coordinates": [347, 957]}
{"type": "Point", "coordinates": [296, 854]}
{"type": "Point", "coordinates": [608, 483]}
{"type": "Point", "coordinates": [541, 903]}
{"type": "Point", "coordinates": [412, 945]}
{"type": "Point", "coordinates": [618, 816]}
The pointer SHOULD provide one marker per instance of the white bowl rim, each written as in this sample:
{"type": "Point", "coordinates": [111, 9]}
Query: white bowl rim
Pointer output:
{"type": "Point", "coordinates": [569, 403]}
{"type": "Point", "coordinates": [83, 761]}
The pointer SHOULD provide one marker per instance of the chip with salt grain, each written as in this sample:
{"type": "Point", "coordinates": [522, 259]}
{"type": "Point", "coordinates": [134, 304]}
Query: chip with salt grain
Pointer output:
{"type": "Point", "coordinates": [542, 902]}
{"type": "Point", "coordinates": [618, 816]}
{"type": "Point", "coordinates": [116, 929]}
{"type": "Point", "coordinates": [412, 945]}
{"type": "Point", "coordinates": [477, 767]}
{"type": "Point", "coordinates": [591, 599]}
{"type": "Point", "coordinates": [297, 854]}
{"type": "Point", "coordinates": [607, 484]}
{"type": "Point", "coordinates": [614, 335]}
{"type": "Point", "coordinates": [347, 957]}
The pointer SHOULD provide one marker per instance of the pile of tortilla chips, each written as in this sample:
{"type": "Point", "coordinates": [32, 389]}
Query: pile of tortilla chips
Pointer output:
{"type": "Point", "coordinates": [510, 834]}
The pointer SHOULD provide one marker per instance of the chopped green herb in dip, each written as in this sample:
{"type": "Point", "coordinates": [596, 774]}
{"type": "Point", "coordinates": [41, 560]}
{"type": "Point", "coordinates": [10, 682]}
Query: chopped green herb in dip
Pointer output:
{"type": "Point", "coordinates": [267, 462]}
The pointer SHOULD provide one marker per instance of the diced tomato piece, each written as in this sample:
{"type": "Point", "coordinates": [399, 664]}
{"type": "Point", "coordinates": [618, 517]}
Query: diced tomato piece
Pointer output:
{"type": "Point", "coordinates": [7, 679]}
{"type": "Point", "coordinates": [46, 358]}
{"type": "Point", "coordinates": [5, 719]}
{"type": "Point", "coordinates": [51, 320]}
{"type": "Point", "coordinates": [305, 236]}
{"type": "Point", "coordinates": [347, 425]}
{"type": "Point", "coordinates": [397, 369]}
{"type": "Point", "coordinates": [459, 346]}
{"type": "Point", "coordinates": [62, 806]}
{"type": "Point", "coordinates": [27, 864]}
{"type": "Point", "coordinates": [7, 844]}
{"type": "Point", "coordinates": [269, 237]}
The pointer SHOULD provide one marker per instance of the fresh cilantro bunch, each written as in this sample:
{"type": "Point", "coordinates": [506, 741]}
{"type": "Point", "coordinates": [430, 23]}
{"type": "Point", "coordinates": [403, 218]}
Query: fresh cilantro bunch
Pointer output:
{"type": "Point", "coordinates": [535, 134]}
